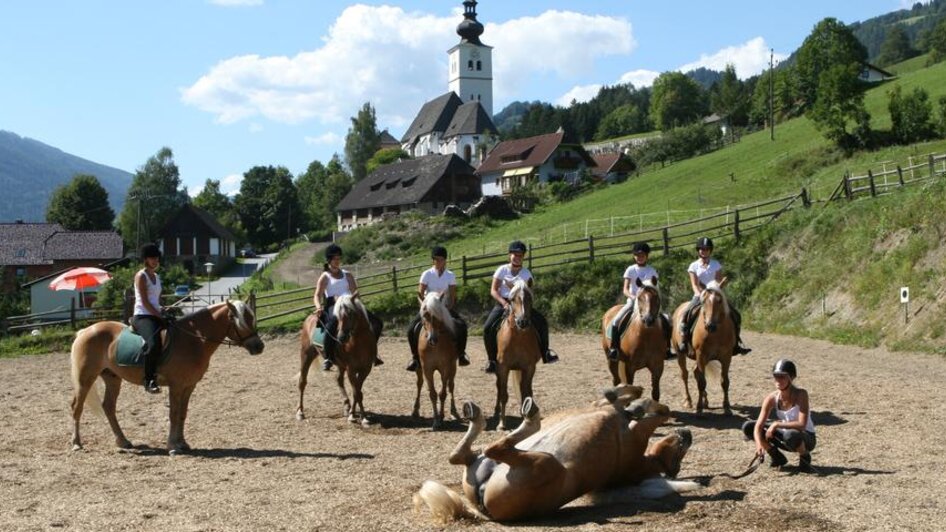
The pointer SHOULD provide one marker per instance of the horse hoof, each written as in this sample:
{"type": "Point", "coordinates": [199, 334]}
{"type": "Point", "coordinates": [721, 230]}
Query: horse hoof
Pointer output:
{"type": "Point", "coordinates": [529, 408]}
{"type": "Point", "coordinates": [471, 411]}
{"type": "Point", "coordinates": [125, 445]}
{"type": "Point", "coordinates": [365, 422]}
{"type": "Point", "coordinates": [352, 419]}
{"type": "Point", "coordinates": [175, 452]}
{"type": "Point", "coordinates": [76, 446]}
{"type": "Point", "coordinates": [299, 415]}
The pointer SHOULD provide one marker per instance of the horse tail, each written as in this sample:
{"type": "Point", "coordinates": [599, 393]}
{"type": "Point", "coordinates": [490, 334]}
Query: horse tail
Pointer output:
{"type": "Point", "coordinates": [445, 504]}
{"type": "Point", "coordinates": [714, 370]}
{"type": "Point", "coordinates": [92, 400]}
{"type": "Point", "coordinates": [650, 488]}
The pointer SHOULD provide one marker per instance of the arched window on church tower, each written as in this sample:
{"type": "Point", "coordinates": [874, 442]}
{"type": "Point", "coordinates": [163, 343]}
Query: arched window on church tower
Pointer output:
{"type": "Point", "coordinates": [469, 65]}
{"type": "Point", "coordinates": [467, 153]}
{"type": "Point", "coordinates": [479, 65]}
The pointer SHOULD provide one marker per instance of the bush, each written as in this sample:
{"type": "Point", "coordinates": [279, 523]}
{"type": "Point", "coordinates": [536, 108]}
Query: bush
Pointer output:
{"type": "Point", "coordinates": [910, 115]}
{"type": "Point", "coordinates": [941, 118]}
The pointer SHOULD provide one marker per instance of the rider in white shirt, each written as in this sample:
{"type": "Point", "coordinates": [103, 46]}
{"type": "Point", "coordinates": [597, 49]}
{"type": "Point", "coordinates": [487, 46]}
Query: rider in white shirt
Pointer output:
{"type": "Point", "coordinates": [640, 270]}
{"type": "Point", "coordinates": [147, 319]}
{"type": "Point", "coordinates": [438, 279]}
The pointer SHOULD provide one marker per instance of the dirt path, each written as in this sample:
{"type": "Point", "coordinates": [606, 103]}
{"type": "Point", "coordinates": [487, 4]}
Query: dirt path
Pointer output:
{"type": "Point", "coordinates": [880, 420]}
{"type": "Point", "coordinates": [297, 267]}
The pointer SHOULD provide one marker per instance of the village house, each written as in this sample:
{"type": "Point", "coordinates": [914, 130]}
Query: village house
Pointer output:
{"type": "Point", "coordinates": [539, 159]}
{"type": "Point", "coordinates": [612, 167]}
{"type": "Point", "coordinates": [193, 237]}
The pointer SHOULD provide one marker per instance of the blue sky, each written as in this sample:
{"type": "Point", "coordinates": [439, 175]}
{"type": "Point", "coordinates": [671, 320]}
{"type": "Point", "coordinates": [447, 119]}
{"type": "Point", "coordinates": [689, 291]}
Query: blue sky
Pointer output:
{"type": "Point", "coordinates": [231, 84]}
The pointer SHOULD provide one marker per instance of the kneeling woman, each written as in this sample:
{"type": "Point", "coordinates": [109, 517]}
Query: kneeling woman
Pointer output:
{"type": "Point", "coordinates": [332, 284]}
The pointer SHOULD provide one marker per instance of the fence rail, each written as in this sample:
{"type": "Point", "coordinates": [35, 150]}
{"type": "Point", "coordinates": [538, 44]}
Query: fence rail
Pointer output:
{"type": "Point", "coordinates": [886, 180]}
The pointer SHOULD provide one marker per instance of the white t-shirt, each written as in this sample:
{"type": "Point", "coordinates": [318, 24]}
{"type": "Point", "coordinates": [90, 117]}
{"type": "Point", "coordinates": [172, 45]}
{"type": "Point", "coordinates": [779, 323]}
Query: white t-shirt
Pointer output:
{"type": "Point", "coordinates": [504, 273]}
{"type": "Point", "coordinates": [705, 273]}
{"type": "Point", "coordinates": [635, 272]}
{"type": "Point", "coordinates": [436, 282]}
{"type": "Point", "coordinates": [337, 287]}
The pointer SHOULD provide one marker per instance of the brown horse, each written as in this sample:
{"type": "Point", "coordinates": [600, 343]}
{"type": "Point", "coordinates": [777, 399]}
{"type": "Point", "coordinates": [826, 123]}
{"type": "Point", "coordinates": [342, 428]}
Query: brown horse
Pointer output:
{"type": "Point", "coordinates": [712, 341]}
{"type": "Point", "coordinates": [437, 352]}
{"type": "Point", "coordinates": [518, 343]}
{"type": "Point", "coordinates": [644, 342]}
{"type": "Point", "coordinates": [195, 338]}
{"type": "Point", "coordinates": [357, 350]}
{"type": "Point", "coordinates": [541, 466]}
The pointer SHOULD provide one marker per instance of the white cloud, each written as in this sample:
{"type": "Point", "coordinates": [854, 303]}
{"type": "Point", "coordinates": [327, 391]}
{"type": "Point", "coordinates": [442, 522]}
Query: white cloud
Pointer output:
{"type": "Point", "coordinates": [578, 93]}
{"type": "Point", "coordinates": [255, 127]}
{"type": "Point", "coordinates": [325, 139]}
{"type": "Point", "coordinates": [749, 59]}
{"type": "Point", "coordinates": [236, 3]}
{"type": "Point", "coordinates": [639, 78]}
{"type": "Point", "coordinates": [230, 184]}
{"type": "Point", "coordinates": [396, 60]}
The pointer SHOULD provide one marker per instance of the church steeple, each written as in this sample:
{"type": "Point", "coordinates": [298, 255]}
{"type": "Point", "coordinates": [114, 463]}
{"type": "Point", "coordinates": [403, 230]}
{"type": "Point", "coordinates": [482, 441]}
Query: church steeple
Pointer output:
{"type": "Point", "coordinates": [470, 29]}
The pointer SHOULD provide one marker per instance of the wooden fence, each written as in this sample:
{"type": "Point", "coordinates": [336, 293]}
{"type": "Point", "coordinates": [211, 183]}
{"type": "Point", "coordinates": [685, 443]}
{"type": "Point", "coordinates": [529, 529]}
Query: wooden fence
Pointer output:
{"type": "Point", "coordinates": [885, 181]}
{"type": "Point", "coordinates": [663, 239]}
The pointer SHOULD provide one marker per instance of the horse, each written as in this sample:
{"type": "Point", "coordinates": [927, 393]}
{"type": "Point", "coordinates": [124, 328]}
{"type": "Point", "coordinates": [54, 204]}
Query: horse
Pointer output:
{"type": "Point", "coordinates": [357, 350]}
{"type": "Point", "coordinates": [518, 343]}
{"type": "Point", "coordinates": [437, 352]}
{"type": "Point", "coordinates": [712, 341]}
{"type": "Point", "coordinates": [644, 342]}
{"type": "Point", "coordinates": [539, 467]}
{"type": "Point", "coordinates": [194, 339]}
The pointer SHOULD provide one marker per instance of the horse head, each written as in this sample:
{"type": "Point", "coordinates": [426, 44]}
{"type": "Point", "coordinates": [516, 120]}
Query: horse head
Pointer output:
{"type": "Point", "coordinates": [242, 330]}
{"type": "Point", "coordinates": [433, 310]}
{"type": "Point", "coordinates": [647, 305]}
{"type": "Point", "coordinates": [715, 306]}
{"type": "Point", "coordinates": [669, 451]}
{"type": "Point", "coordinates": [520, 298]}
{"type": "Point", "coordinates": [347, 309]}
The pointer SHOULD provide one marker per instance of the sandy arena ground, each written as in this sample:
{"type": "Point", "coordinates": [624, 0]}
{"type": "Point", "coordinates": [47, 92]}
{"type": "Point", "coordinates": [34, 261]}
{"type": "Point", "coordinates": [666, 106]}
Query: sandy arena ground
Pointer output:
{"type": "Point", "coordinates": [880, 418]}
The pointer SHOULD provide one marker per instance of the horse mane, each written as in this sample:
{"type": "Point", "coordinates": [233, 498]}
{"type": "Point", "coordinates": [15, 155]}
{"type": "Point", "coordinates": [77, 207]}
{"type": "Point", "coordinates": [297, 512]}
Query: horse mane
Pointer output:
{"type": "Point", "coordinates": [347, 303]}
{"type": "Point", "coordinates": [519, 286]}
{"type": "Point", "coordinates": [714, 286]}
{"type": "Point", "coordinates": [646, 283]}
{"type": "Point", "coordinates": [438, 309]}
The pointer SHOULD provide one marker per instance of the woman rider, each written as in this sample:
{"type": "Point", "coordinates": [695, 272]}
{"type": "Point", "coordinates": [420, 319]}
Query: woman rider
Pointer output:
{"type": "Point", "coordinates": [147, 319]}
{"type": "Point", "coordinates": [640, 270]}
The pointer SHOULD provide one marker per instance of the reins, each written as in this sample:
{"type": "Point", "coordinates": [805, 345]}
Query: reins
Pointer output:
{"type": "Point", "coordinates": [172, 324]}
{"type": "Point", "coordinates": [754, 464]}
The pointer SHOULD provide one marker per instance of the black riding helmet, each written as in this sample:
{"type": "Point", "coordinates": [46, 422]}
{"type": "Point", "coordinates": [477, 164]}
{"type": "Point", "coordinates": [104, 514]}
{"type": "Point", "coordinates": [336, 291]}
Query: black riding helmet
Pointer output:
{"type": "Point", "coordinates": [333, 250]}
{"type": "Point", "coordinates": [784, 366]}
{"type": "Point", "coordinates": [640, 247]}
{"type": "Point", "coordinates": [150, 250]}
{"type": "Point", "coordinates": [704, 242]}
{"type": "Point", "coordinates": [438, 251]}
{"type": "Point", "coordinates": [517, 247]}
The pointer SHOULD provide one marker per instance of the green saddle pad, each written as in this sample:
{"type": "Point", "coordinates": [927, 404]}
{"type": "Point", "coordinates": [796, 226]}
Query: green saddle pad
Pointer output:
{"type": "Point", "coordinates": [129, 351]}
{"type": "Point", "coordinates": [317, 337]}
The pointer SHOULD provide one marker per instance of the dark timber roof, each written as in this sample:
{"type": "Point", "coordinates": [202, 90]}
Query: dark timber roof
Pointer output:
{"type": "Point", "coordinates": [470, 119]}
{"type": "Point", "coordinates": [404, 182]}
{"type": "Point", "coordinates": [435, 115]}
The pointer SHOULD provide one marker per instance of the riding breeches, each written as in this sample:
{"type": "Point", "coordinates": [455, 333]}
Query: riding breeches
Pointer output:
{"type": "Point", "coordinates": [785, 439]}
{"type": "Point", "coordinates": [459, 331]}
{"type": "Point", "coordinates": [149, 328]}
{"type": "Point", "coordinates": [491, 328]}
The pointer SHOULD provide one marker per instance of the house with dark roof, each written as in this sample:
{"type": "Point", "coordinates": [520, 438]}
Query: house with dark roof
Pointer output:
{"type": "Point", "coordinates": [446, 125]}
{"type": "Point", "coordinates": [539, 159]}
{"type": "Point", "coordinates": [426, 184]}
{"type": "Point", "coordinates": [34, 250]}
{"type": "Point", "coordinates": [388, 141]}
{"type": "Point", "coordinates": [874, 74]}
{"type": "Point", "coordinates": [612, 167]}
{"type": "Point", "coordinates": [194, 237]}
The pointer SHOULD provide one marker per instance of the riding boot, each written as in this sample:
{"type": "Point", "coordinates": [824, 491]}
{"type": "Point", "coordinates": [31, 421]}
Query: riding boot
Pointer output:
{"type": "Point", "coordinates": [151, 385]}
{"type": "Point", "coordinates": [549, 357]}
{"type": "Point", "coordinates": [461, 336]}
{"type": "Point", "coordinates": [668, 331]}
{"type": "Point", "coordinates": [413, 365]}
{"type": "Point", "coordinates": [739, 349]}
{"type": "Point", "coordinates": [328, 351]}
{"type": "Point", "coordinates": [615, 342]}
{"type": "Point", "coordinates": [804, 463]}
{"type": "Point", "coordinates": [776, 458]}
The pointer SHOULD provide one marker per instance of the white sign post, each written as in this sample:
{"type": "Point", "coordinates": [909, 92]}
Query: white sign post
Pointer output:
{"type": "Point", "coordinates": [905, 299]}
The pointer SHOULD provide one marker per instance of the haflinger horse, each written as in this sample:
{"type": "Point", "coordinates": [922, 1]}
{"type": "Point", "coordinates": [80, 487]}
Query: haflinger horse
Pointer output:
{"type": "Point", "coordinates": [644, 342]}
{"type": "Point", "coordinates": [542, 465]}
{"type": "Point", "coordinates": [437, 352]}
{"type": "Point", "coordinates": [518, 343]}
{"type": "Point", "coordinates": [357, 350]}
{"type": "Point", "coordinates": [712, 340]}
{"type": "Point", "coordinates": [194, 339]}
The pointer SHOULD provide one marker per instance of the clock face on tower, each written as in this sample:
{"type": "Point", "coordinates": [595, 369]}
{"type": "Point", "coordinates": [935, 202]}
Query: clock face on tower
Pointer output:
{"type": "Point", "coordinates": [475, 53]}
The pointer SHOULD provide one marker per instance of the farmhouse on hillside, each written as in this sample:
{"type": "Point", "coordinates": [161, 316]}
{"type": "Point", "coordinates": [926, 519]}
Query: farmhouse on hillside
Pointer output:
{"type": "Point", "coordinates": [426, 184]}
{"type": "Point", "coordinates": [874, 74]}
{"type": "Point", "coordinates": [193, 237]}
{"type": "Point", "coordinates": [612, 167]}
{"type": "Point", "coordinates": [540, 159]}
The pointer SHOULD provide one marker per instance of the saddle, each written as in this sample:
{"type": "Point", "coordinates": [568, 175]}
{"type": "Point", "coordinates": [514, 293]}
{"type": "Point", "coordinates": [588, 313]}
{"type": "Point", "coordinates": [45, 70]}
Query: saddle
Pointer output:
{"type": "Point", "coordinates": [129, 352]}
{"type": "Point", "coordinates": [317, 336]}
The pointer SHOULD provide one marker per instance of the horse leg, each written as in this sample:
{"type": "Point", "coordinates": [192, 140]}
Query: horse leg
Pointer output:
{"type": "Point", "coordinates": [113, 385]}
{"type": "Point", "coordinates": [463, 453]}
{"type": "Point", "coordinates": [701, 400]}
{"type": "Point", "coordinates": [615, 370]}
{"type": "Point", "coordinates": [306, 355]}
{"type": "Point", "coordinates": [357, 379]}
{"type": "Point", "coordinates": [432, 394]}
{"type": "Point", "coordinates": [443, 395]}
{"type": "Point", "coordinates": [420, 384]}
{"type": "Point", "coordinates": [684, 375]}
{"type": "Point", "coordinates": [727, 408]}
{"type": "Point", "coordinates": [531, 423]}
{"type": "Point", "coordinates": [185, 404]}
{"type": "Point", "coordinates": [656, 371]}
{"type": "Point", "coordinates": [81, 391]}
{"type": "Point", "coordinates": [340, 379]}
{"type": "Point", "coordinates": [448, 382]}
{"type": "Point", "coordinates": [502, 396]}
{"type": "Point", "coordinates": [178, 398]}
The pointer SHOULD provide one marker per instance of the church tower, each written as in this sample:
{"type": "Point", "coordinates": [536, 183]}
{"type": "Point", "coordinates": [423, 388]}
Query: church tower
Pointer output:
{"type": "Point", "coordinates": [471, 62]}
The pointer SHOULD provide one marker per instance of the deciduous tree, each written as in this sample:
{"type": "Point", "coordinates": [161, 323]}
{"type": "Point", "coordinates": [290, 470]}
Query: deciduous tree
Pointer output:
{"type": "Point", "coordinates": [362, 141]}
{"type": "Point", "coordinates": [268, 206]}
{"type": "Point", "coordinates": [830, 45]}
{"type": "Point", "coordinates": [676, 101]}
{"type": "Point", "coordinates": [81, 205]}
{"type": "Point", "coordinates": [896, 47]}
{"type": "Point", "coordinates": [154, 196]}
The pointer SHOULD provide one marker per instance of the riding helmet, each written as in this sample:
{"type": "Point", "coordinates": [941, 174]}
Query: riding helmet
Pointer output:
{"type": "Point", "coordinates": [150, 250]}
{"type": "Point", "coordinates": [640, 247]}
{"type": "Point", "coordinates": [438, 252]}
{"type": "Point", "coordinates": [333, 250]}
{"type": "Point", "coordinates": [517, 247]}
{"type": "Point", "coordinates": [784, 366]}
{"type": "Point", "coordinates": [704, 242]}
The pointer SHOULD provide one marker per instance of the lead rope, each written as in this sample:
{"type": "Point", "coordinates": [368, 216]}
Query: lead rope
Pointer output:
{"type": "Point", "coordinates": [754, 464]}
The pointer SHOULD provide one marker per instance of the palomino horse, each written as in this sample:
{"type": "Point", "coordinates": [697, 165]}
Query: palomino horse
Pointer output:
{"type": "Point", "coordinates": [437, 352]}
{"type": "Point", "coordinates": [537, 469]}
{"type": "Point", "coordinates": [357, 350]}
{"type": "Point", "coordinates": [518, 343]}
{"type": "Point", "coordinates": [195, 338]}
{"type": "Point", "coordinates": [644, 343]}
{"type": "Point", "coordinates": [712, 341]}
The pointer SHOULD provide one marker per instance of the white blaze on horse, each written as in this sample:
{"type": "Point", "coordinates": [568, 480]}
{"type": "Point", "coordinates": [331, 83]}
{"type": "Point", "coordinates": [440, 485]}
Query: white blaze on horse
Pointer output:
{"type": "Point", "coordinates": [518, 349]}
{"type": "Point", "coordinates": [644, 343]}
{"type": "Point", "coordinates": [194, 339]}
{"type": "Point", "coordinates": [713, 339]}
{"type": "Point", "coordinates": [437, 352]}
{"type": "Point", "coordinates": [357, 351]}
{"type": "Point", "coordinates": [542, 466]}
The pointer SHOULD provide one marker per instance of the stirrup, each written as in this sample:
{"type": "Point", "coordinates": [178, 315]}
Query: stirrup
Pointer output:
{"type": "Point", "coordinates": [151, 386]}
{"type": "Point", "coordinates": [413, 365]}
{"type": "Point", "coordinates": [490, 367]}
{"type": "Point", "coordinates": [464, 360]}
{"type": "Point", "coordinates": [550, 357]}
{"type": "Point", "coordinates": [613, 354]}
{"type": "Point", "coordinates": [327, 364]}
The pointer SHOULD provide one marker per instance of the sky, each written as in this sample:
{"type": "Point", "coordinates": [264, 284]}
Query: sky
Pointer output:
{"type": "Point", "coordinates": [233, 84]}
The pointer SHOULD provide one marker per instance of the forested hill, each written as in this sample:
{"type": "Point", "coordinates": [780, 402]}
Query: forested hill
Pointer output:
{"type": "Point", "coordinates": [914, 22]}
{"type": "Point", "coordinates": [30, 171]}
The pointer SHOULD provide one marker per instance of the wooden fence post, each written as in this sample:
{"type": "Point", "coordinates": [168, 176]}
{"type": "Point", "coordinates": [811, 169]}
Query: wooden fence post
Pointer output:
{"type": "Point", "coordinates": [252, 301]}
{"type": "Point", "coordinates": [932, 170]}
{"type": "Point", "coordinates": [900, 175]}
{"type": "Point", "coordinates": [463, 267]}
{"type": "Point", "coordinates": [394, 278]}
{"type": "Point", "coordinates": [735, 225]}
{"type": "Point", "coordinates": [530, 256]}
{"type": "Point", "coordinates": [72, 313]}
{"type": "Point", "coordinates": [666, 240]}
{"type": "Point", "coordinates": [591, 248]}
{"type": "Point", "coordinates": [870, 180]}
{"type": "Point", "coordinates": [805, 200]}
{"type": "Point", "coordinates": [847, 186]}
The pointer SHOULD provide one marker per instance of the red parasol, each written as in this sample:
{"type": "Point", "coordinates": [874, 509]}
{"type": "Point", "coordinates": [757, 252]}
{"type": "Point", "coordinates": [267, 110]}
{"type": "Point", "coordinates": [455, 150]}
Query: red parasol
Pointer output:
{"type": "Point", "coordinates": [79, 278]}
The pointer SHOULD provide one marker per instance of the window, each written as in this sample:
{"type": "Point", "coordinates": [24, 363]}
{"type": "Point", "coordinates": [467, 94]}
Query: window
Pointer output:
{"type": "Point", "coordinates": [479, 65]}
{"type": "Point", "coordinates": [467, 153]}
{"type": "Point", "coordinates": [469, 65]}
{"type": "Point", "coordinates": [20, 271]}
{"type": "Point", "coordinates": [20, 253]}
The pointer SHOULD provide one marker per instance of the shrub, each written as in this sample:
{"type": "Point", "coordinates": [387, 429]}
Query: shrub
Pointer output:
{"type": "Point", "coordinates": [910, 115]}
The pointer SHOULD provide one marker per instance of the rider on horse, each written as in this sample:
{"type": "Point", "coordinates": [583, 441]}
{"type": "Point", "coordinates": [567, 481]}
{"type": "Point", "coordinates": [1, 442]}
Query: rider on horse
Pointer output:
{"type": "Point", "coordinates": [332, 284]}
{"type": "Point", "coordinates": [639, 271]}
{"type": "Point", "coordinates": [503, 280]}
{"type": "Point", "coordinates": [147, 319]}
{"type": "Point", "coordinates": [438, 279]}
{"type": "Point", "coordinates": [702, 271]}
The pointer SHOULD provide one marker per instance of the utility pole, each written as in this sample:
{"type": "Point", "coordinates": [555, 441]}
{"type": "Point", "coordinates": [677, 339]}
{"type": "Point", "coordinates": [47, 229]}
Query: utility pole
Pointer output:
{"type": "Point", "coordinates": [772, 93]}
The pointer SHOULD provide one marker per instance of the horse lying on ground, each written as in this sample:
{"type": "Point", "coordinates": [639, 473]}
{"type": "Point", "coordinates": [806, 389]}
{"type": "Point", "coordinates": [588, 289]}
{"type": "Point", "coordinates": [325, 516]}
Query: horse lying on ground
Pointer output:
{"type": "Point", "coordinates": [535, 470]}
{"type": "Point", "coordinates": [195, 338]}
{"type": "Point", "coordinates": [437, 351]}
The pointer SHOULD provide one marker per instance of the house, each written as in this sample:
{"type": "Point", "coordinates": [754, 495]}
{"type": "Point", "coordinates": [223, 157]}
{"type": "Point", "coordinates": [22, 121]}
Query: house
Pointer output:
{"type": "Point", "coordinates": [540, 159]}
{"type": "Point", "coordinates": [59, 304]}
{"type": "Point", "coordinates": [612, 167]}
{"type": "Point", "coordinates": [193, 237]}
{"type": "Point", "coordinates": [388, 141]}
{"type": "Point", "coordinates": [426, 184]}
{"type": "Point", "coordinates": [874, 74]}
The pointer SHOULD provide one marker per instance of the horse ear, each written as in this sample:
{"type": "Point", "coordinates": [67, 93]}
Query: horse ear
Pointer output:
{"type": "Point", "coordinates": [231, 307]}
{"type": "Point", "coordinates": [723, 282]}
{"type": "Point", "coordinates": [653, 280]}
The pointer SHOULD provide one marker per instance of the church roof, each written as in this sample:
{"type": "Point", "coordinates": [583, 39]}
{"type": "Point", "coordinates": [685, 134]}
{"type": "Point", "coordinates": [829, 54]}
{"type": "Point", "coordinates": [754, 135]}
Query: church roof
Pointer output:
{"type": "Point", "coordinates": [470, 119]}
{"type": "Point", "coordinates": [403, 182]}
{"type": "Point", "coordinates": [435, 115]}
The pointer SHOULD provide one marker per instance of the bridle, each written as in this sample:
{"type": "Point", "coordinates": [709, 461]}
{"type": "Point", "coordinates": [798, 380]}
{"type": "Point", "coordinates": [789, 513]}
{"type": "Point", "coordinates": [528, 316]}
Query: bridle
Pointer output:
{"type": "Point", "coordinates": [172, 324]}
